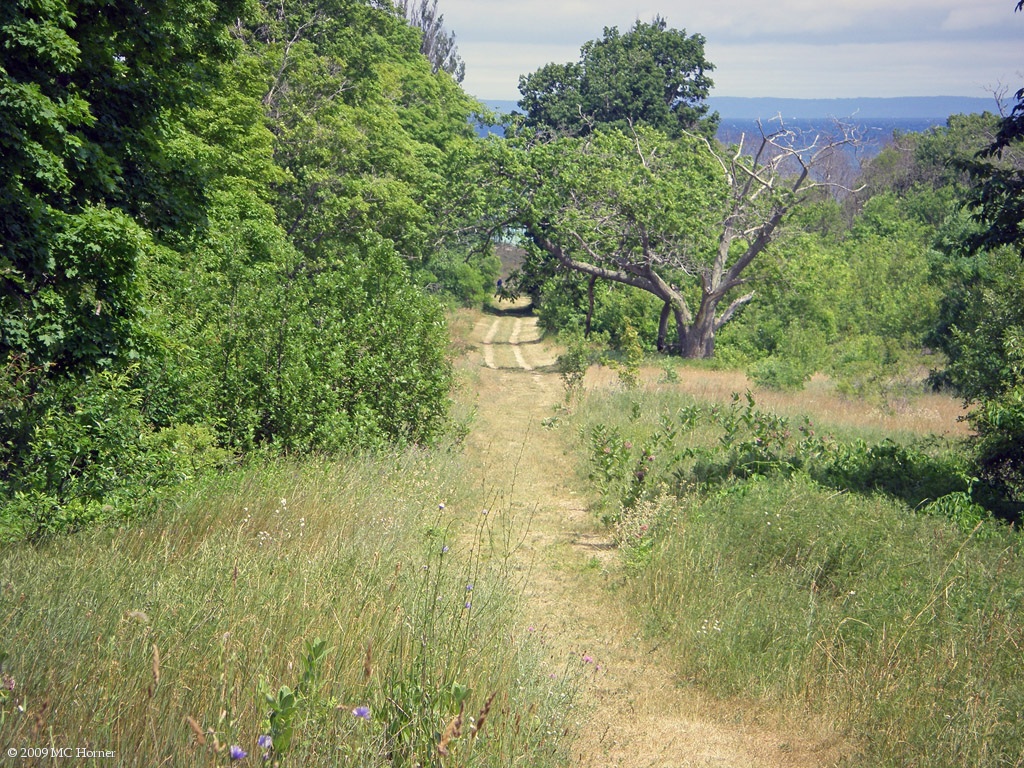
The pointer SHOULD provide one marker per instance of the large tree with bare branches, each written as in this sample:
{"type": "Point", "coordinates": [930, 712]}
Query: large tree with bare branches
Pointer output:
{"type": "Point", "coordinates": [682, 219]}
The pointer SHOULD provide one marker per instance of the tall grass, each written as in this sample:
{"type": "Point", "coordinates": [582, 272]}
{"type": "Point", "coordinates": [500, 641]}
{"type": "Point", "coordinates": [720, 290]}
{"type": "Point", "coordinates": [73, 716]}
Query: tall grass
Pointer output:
{"type": "Point", "coordinates": [349, 610]}
{"type": "Point", "coordinates": [907, 630]}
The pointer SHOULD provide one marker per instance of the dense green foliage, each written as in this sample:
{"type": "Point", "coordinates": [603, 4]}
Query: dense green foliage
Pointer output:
{"type": "Point", "coordinates": [209, 243]}
{"type": "Point", "coordinates": [651, 75]}
{"type": "Point", "coordinates": [644, 212]}
{"type": "Point", "coordinates": [238, 239]}
{"type": "Point", "coordinates": [85, 89]}
{"type": "Point", "coordinates": [997, 198]}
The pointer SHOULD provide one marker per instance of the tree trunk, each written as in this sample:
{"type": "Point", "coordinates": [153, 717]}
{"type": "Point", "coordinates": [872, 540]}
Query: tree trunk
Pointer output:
{"type": "Point", "coordinates": [666, 313]}
{"type": "Point", "coordinates": [700, 336]}
{"type": "Point", "coordinates": [590, 305]}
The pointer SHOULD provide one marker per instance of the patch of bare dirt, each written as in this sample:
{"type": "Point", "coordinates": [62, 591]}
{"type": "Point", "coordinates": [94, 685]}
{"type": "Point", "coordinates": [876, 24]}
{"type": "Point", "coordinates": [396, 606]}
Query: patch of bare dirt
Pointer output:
{"type": "Point", "coordinates": [637, 713]}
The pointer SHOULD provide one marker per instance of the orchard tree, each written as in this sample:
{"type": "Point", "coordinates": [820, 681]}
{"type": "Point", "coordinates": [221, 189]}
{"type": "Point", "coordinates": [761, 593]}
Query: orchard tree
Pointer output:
{"type": "Point", "coordinates": [679, 219]}
{"type": "Point", "coordinates": [651, 75]}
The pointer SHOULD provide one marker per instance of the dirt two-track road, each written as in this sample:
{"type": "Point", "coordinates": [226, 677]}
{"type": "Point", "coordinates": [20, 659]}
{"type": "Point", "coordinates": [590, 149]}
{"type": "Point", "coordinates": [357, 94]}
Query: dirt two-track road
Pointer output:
{"type": "Point", "coordinates": [634, 711]}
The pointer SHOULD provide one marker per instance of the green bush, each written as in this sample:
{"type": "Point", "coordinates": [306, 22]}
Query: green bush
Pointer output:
{"type": "Point", "coordinates": [779, 373]}
{"type": "Point", "coordinates": [573, 363]}
{"type": "Point", "coordinates": [76, 451]}
{"type": "Point", "coordinates": [468, 279]}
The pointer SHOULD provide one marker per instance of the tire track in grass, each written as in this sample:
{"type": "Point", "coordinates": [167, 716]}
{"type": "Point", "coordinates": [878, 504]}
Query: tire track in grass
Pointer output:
{"type": "Point", "coordinates": [636, 714]}
{"type": "Point", "coordinates": [488, 342]}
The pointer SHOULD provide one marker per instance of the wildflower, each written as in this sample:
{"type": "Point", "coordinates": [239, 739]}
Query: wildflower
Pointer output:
{"type": "Point", "coordinates": [469, 587]}
{"type": "Point", "coordinates": [468, 605]}
{"type": "Point", "coordinates": [484, 512]}
{"type": "Point", "coordinates": [265, 742]}
{"type": "Point", "coordinates": [588, 659]}
{"type": "Point", "coordinates": [441, 506]}
{"type": "Point", "coordinates": [444, 550]}
{"type": "Point", "coordinates": [235, 752]}
{"type": "Point", "coordinates": [362, 712]}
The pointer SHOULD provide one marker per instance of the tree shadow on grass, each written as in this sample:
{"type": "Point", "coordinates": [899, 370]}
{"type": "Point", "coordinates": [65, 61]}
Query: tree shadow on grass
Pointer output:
{"type": "Point", "coordinates": [914, 476]}
{"type": "Point", "coordinates": [517, 310]}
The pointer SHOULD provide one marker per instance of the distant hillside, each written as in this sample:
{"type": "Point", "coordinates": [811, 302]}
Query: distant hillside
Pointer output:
{"type": "Point", "coordinates": [931, 108]}
{"type": "Point", "coordinates": [876, 119]}
{"type": "Point", "coordinates": [906, 108]}
{"type": "Point", "coordinates": [505, 107]}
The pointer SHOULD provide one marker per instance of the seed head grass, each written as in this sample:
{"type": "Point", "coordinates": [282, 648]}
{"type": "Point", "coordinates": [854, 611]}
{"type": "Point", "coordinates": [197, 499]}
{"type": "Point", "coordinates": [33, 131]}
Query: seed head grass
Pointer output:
{"type": "Point", "coordinates": [903, 629]}
{"type": "Point", "coordinates": [320, 588]}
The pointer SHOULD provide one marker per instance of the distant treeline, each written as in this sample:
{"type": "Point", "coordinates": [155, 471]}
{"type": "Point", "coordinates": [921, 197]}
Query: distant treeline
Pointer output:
{"type": "Point", "coordinates": [875, 119]}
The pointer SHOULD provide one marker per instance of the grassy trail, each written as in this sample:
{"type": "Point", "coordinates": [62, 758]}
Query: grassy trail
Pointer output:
{"type": "Point", "coordinates": [634, 713]}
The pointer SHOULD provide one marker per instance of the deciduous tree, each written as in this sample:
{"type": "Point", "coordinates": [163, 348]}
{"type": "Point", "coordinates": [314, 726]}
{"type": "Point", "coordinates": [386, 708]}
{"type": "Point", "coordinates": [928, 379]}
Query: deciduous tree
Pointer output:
{"type": "Point", "coordinates": [84, 90]}
{"type": "Point", "coordinates": [998, 199]}
{"type": "Point", "coordinates": [679, 219]}
{"type": "Point", "coordinates": [438, 44]}
{"type": "Point", "coordinates": [651, 75]}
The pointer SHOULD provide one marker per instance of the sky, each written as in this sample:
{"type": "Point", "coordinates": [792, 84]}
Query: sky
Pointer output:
{"type": "Point", "coordinates": [784, 48]}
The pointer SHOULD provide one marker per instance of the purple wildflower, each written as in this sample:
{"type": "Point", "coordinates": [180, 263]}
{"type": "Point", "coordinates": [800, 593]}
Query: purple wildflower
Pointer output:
{"type": "Point", "coordinates": [444, 550]}
{"type": "Point", "coordinates": [236, 752]}
{"type": "Point", "coordinates": [469, 587]}
{"type": "Point", "coordinates": [363, 712]}
{"type": "Point", "coordinates": [264, 741]}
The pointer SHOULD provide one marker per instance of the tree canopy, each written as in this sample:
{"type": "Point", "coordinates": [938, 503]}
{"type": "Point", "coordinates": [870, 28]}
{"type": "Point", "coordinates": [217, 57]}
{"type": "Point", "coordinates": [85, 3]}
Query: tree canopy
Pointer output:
{"type": "Point", "coordinates": [651, 75]}
{"type": "Point", "coordinates": [998, 198]}
{"type": "Point", "coordinates": [84, 91]}
{"type": "Point", "coordinates": [209, 223]}
{"type": "Point", "coordinates": [681, 219]}
{"type": "Point", "coordinates": [438, 44]}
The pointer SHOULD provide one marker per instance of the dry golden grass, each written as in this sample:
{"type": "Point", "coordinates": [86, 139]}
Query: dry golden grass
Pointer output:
{"type": "Point", "coordinates": [927, 414]}
{"type": "Point", "coordinates": [633, 712]}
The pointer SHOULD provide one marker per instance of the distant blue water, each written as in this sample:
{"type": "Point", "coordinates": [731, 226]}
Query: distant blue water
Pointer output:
{"type": "Point", "coordinates": [873, 134]}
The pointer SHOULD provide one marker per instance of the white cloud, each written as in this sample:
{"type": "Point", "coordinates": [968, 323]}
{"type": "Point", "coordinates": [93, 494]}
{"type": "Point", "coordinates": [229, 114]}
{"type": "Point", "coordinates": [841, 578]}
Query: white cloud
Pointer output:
{"type": "Point", "coordinates": [961, 18]}
{"type": "Point", "coordinates": [861, 70]}
{"type": "Point", "coordinates": [798, 48]}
